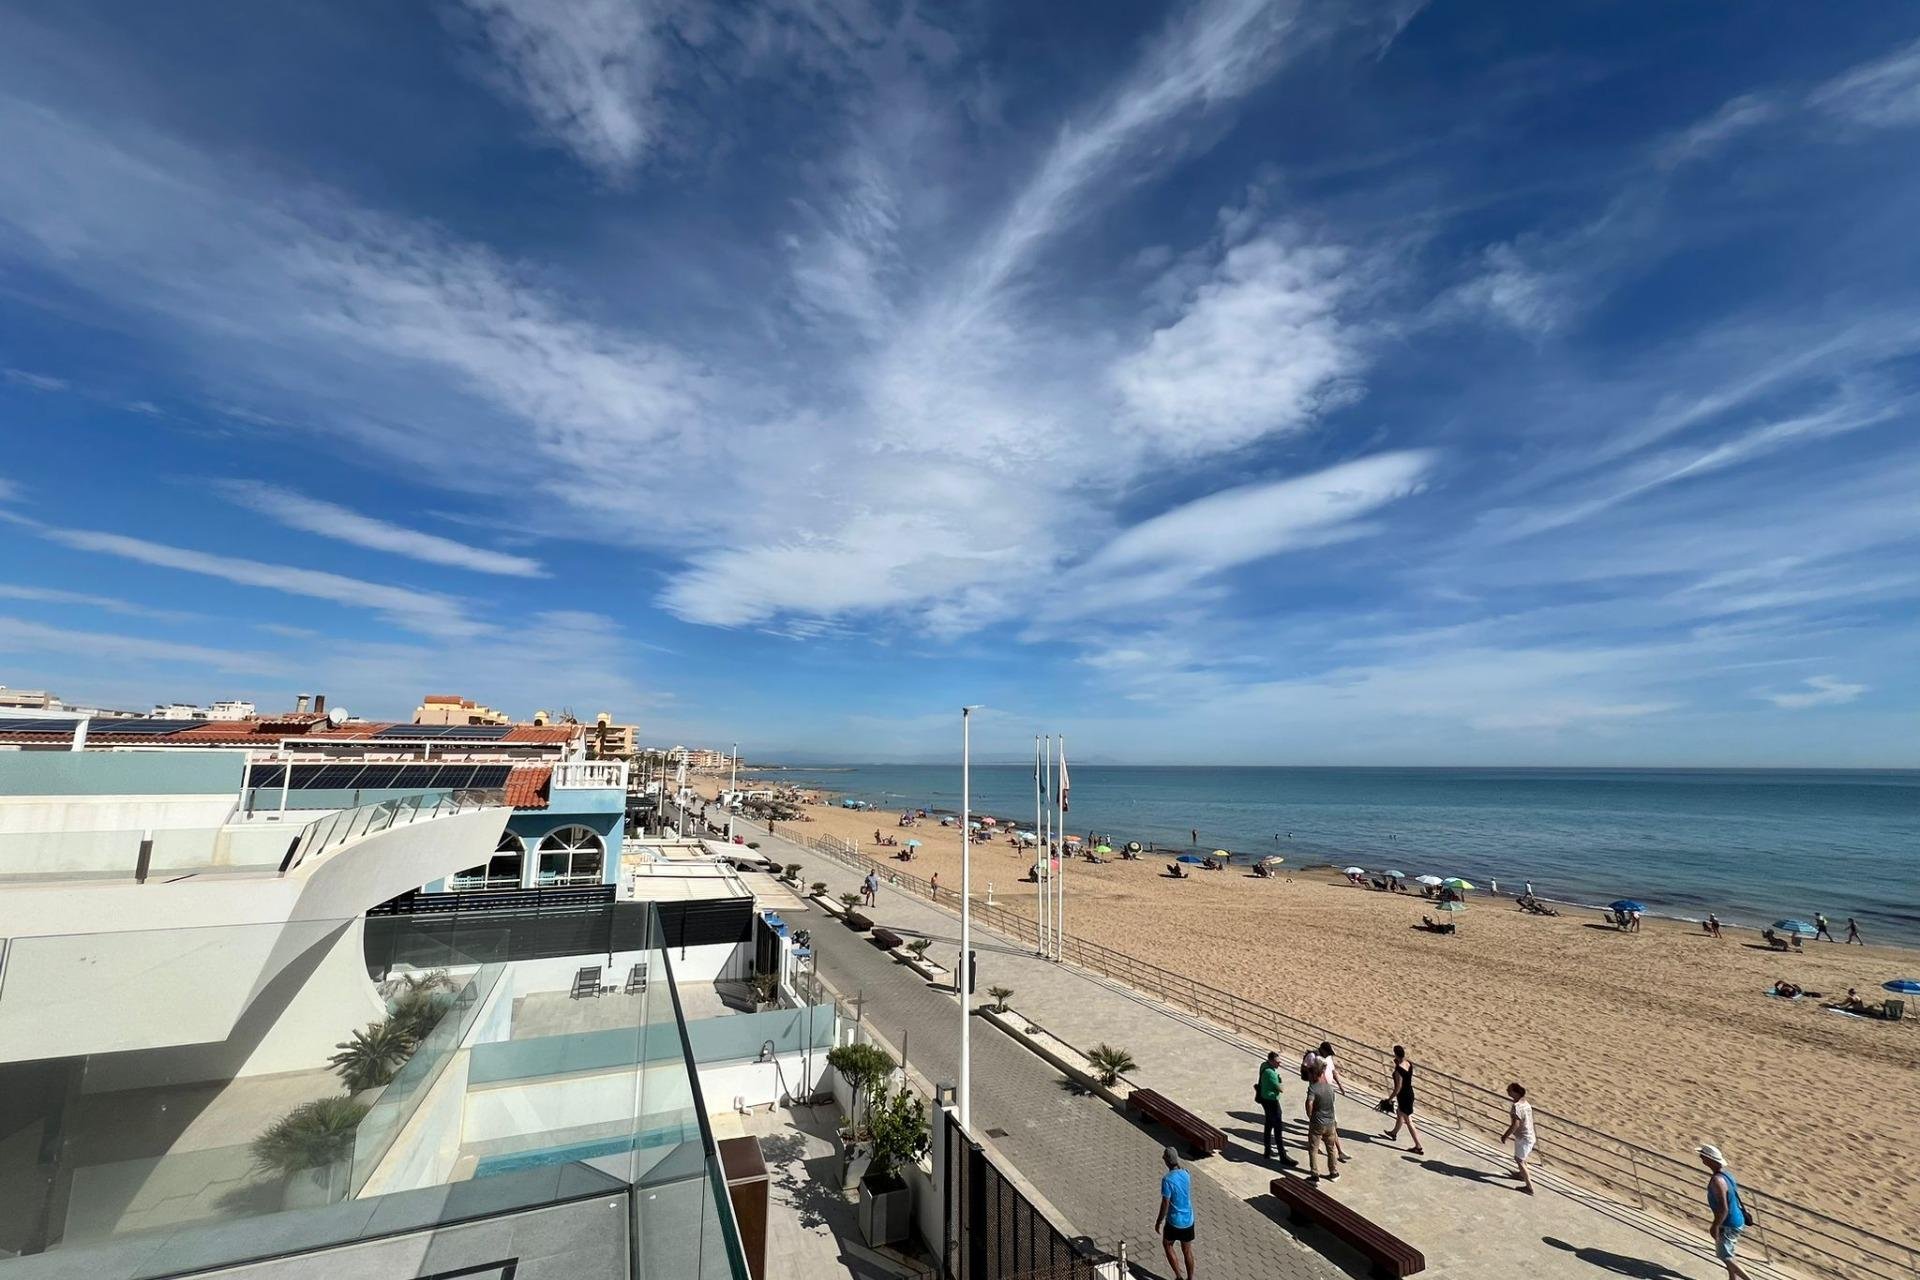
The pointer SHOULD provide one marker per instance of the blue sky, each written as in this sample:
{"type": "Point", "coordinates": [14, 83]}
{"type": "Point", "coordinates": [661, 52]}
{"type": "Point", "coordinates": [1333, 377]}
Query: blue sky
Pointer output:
{"type": "Point", "coordinates": [1225, 381]}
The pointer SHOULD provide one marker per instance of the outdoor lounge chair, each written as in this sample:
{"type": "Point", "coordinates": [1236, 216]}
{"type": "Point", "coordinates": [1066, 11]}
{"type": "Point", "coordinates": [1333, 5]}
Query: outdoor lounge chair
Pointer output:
{"type": "Point", "coordinates": [586, 981]}
{"type": "Point", "coordinates": [636, 979]}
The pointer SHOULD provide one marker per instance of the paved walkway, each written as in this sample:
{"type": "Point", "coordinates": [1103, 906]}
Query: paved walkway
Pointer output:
{"type": "Point", "coordinates": [1453, 1204]}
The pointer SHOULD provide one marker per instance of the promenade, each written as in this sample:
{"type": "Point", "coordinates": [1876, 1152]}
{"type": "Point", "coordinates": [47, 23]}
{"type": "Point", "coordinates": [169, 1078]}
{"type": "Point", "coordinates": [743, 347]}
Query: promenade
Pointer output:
{"type": "Point", "coordinates": [1100, 1169]}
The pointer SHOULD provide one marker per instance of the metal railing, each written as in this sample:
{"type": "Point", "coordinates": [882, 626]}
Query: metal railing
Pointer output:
{"type": "Point", "coordinates": [335, 829]}
{"type": "Point", "coordinates": [1650, 1180]}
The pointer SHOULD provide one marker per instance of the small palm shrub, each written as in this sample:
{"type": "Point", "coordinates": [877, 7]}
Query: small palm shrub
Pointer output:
{"type": "Point", "coordinates": [311, 1136]}
{"type": "Point", "coordinates": [1000, 997]}
{"type": "Point", "coordinates": [849, 900]}
{"type": "Point", "coordinates": [818, 887]}
{"type": "Point", "coordinates": [793, 872]}
{"type": "Point", "coordinates": [919, 947]}
{"type": "Point", "coordinates": [368, 1059]}
{"type": "Point", "coordinates": [1110, 1063]}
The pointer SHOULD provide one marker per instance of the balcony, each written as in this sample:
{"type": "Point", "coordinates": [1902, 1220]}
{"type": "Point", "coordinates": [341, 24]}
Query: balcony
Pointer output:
{"type": "Point", "coordinates": [584, 775]}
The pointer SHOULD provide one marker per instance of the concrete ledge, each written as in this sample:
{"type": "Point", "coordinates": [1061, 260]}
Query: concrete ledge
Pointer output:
{"type": "Point", "coordinates": [1064, 1057]}
{"type": "Point", "coordinates": [938, 975]}
{"type": "Point", "coordinates": [832, 906]}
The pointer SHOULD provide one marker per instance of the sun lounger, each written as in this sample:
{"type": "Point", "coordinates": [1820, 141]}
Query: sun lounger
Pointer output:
{"type": "Point", "coordinates": [586, 982]}
{"type": "Point", "coordinates": [637, 979]}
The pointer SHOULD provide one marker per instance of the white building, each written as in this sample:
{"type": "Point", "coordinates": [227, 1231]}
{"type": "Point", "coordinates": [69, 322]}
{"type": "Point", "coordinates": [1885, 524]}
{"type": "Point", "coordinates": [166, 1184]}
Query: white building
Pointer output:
{"type": "Point", "coordinates": [177, 711]}
{"type": "Point", "coordinates": [232, 709]}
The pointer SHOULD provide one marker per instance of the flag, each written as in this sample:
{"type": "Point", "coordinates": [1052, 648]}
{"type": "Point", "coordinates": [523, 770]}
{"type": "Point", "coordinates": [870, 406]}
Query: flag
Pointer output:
{"type": "Point", "coordinates": [1063, 780]}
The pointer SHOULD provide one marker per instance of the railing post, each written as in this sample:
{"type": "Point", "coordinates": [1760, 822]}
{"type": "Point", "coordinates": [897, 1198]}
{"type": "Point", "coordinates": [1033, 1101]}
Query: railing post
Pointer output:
{"type": "Point", "coordinates": [1633, 1163]}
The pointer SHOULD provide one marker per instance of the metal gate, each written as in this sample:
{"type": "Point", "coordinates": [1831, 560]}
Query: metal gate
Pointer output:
{"type": "Point", "coordinates": [993, 1232]}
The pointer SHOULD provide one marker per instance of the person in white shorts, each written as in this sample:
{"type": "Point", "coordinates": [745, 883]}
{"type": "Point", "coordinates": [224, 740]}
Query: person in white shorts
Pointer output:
{"type": "Point", "coordinates": [1520, 1129]}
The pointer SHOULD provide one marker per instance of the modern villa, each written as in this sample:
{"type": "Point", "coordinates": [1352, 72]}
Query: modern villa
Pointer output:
{"type": "Point", "coordinates": [291, 997]}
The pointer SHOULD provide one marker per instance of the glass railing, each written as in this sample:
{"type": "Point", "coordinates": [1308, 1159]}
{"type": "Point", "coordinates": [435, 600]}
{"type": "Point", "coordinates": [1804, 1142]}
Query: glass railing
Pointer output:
{"type": "Point", "coordinates": [186, 1099]}
{"type": "Point", "coordinates": [329, 832]}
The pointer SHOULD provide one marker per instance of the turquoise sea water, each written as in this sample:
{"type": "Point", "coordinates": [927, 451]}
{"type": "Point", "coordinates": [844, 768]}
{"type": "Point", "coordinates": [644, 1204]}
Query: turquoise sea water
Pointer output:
{"type": "Point", "coordinates": [1752, 845]}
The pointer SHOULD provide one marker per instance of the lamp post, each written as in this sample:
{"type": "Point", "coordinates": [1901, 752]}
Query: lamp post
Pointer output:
{"type": "Point", "coordinates": [733, 791]}
{"type": "Point", "coordinates": [964, 980]}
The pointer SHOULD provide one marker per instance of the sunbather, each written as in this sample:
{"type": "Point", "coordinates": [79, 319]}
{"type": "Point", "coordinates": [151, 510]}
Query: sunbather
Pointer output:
{"type": "Point", "coordinates": [1177, 871]}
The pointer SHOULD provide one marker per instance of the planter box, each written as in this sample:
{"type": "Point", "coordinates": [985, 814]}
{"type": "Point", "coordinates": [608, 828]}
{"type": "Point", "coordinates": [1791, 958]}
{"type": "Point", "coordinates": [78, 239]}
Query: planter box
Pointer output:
{"type": "Point", "coordinates": [1064, 1057]}
{"type": "Point", "coordinates": [831, 906]}
{"type": "Point", "coordinates": [886, 1211]}
{"type": "Point", "coordinates": [854, 1160]}
{"type": "Point", "coordinates": [938, 975]}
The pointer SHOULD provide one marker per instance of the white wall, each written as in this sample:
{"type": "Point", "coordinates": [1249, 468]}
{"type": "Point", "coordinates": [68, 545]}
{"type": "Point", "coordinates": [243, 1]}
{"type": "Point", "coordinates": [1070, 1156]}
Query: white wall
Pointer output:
{"type": "Point", "coordinates": [718, 960]}
{"type": "Point", "coordinates": [727, 1086]}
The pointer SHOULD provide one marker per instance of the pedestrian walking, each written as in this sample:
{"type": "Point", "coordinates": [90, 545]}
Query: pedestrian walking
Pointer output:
{"type": "Point", "coordinates": [870, 887]}
{"type": "Point", "coordinates": [1520, 1131]}
{"type": "Point", "coordinates": [1323, 1130]}
{"type": "Point", "coordinates": [1174, 1222]}
{"type": "Point", "coordinates": [1403, 1100]}
{"type": "Point", "coordinates": [1853, 931]}
{"type": "Point", "coordinates": [1266, 1091]}
{"type": "Point", "coordinates": [933, 887]}
{"type": "Point", "coordinates": [1820, 929]}
{"type": "Point", "coordinates": [1729, 1215]}
{"type": "Point", "coordinates": [1315, 1061]}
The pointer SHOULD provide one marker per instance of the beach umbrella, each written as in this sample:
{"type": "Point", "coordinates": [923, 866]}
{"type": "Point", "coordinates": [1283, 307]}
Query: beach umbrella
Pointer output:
{"type": "Point", "coordinates": [1354, 871]}
{"type": "Point", "coordinates": [1453, 904]}
{"type": "Point", "coordinates": [1397, 875]}
{"type": "Point", "coordinates": [1103, 848]}
{"type": "Point", "coordinates": [1221, 853]}
{"type": "Point", "coordinates": [1073, 839]}
{"type": "Point", "coordinates": [1800, 927]}
{"type": "Point", "coordinates": [913, 844]}
{"type": "Point", "coordinates": [1455, 882]}
{"type": "Point", "coordinates": [1626, 904]}
{"type": "Point", "coordinates": [989, 822]}
{"type": "Point", "coordinates": [1903, 986]}
{"type": "Point", "coordinates": [1432, 882]}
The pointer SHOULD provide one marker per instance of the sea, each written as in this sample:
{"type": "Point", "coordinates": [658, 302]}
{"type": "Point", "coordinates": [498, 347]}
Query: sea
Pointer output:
{"type": "Point", "coordinates": [1752, 846]}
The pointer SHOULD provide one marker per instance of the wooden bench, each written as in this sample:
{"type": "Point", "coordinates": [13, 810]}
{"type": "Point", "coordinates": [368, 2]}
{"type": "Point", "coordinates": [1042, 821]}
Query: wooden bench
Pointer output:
{"type": "Point", "coordinates": [885, 939]}
{"type": "Point", "coordinates": [1200, 1136]}
{"type": "Point", "coordinates": [1389, 1254]}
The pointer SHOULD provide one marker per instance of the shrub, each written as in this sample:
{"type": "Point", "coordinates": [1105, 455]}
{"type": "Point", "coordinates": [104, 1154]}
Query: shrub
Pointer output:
{"type": "Point", "coordinates": [849, 900]}
{"type": "Point", "coordinates": [311, 1136]}
{"type": "Point", "coordinates": [898, 1125]}
{"type": "Point", "coordinates": [368, 1059]}
{"type": "Point", "coordinates": [919, 947]}
{"type": "Point", "coordinates": [1000, 997]}
{"type": "Point", "coordinates": [818, 887]}
{"type": "Point", "coordinates": [793, 872]}
{"type": "Point", "coordinates": [766, 987]}
{"type": "Point", "coordinates": [418, 1009]}
{"type": "Point", "coordinates": [1110, 1063]}
{"type": "Point", "coordinates": [864, 1067]}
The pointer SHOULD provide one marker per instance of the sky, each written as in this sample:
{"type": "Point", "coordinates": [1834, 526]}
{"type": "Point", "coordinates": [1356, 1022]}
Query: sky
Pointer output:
{"type": "Point", "coordinates": [1230, 381]}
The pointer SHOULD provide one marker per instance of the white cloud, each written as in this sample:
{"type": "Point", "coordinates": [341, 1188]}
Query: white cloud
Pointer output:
{"type": "Point", "coordinates": [1511, 289]}
{"type": "Point", "coordinates": [1882, 94]}
{"type": "Point", "coordinates": [588, 70]}
{"type": "Point", "coordinates": [38, 381]}
{"type": "Point", "coordinates": [329, 520]}
{"type": "Point", "coordinates": [20, 636]}
{"type": "Point", "coordinates": [1736, 116]}
{"type": "Point", "coordinates": [1820, 691]}
{"type": "Point", "coordinates": [1258, 348]}
{"type": "Point", "coordinates": [109, 604]}
{"type": "Point", "coordinates": [430, 612]}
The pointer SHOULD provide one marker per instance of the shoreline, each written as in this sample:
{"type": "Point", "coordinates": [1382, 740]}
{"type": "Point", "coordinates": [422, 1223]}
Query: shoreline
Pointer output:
{"type": "Point", "coordinates": [830, 797]}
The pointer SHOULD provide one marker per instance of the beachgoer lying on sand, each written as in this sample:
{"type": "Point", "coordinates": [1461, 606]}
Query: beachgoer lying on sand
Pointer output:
{"type": "Point", "coordinates": [1210, 864]}
{"type": "Point", "coordinates": [1177, 871]}
{"type": "Point", "coordinates": [1773, 940]}
{"type": "Point", "coordinates": [1852, 1004]}
{"type": "Point", "coordinates": [1788, 990]}
{"type": "Point", "coordinates": [1431, 926]}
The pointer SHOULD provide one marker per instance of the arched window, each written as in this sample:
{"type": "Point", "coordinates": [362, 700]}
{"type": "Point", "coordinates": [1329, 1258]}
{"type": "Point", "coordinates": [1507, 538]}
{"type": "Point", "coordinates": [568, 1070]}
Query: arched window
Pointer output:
{"type": "Point", "coordinates": [502, 871]}
{"type": "Point", "coordinates": [572, 855]}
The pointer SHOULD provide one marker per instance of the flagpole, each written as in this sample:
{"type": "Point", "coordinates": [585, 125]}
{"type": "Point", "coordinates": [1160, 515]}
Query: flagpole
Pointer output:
{"type": "Point", "coordinates": [1060, 885]}
{"type": "Point", "coordinates": [965, 969]}
{"type": "Point", "coordinates": [1039, 849]}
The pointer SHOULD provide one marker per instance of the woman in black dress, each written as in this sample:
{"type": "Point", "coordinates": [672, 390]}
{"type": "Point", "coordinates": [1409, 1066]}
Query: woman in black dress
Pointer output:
{"type": "Point", "coordinates": [1403, 1100]}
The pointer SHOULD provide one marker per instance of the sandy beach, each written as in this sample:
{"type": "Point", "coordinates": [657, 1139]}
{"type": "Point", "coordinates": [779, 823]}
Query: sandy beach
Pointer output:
{"type": "Point", "coordinates": [1666, 1036]}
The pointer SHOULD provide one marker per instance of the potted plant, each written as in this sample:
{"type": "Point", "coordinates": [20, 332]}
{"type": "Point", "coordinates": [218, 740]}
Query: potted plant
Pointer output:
{"type": "Point", "coordinates": [1000, 997]}
{"type": "Point", "coordinates": [766, 992]}
{"type": "Point", "coordinates": [919, 947]}
{"type": "Point", "coordinates": [849, 900]}
{"type": "Point", "coordinates": [898, 1124]}
{"type": "Point", "coordinates": [865, 1068]}
{"type": "Point", "coordinates": [818, 888]}
{"type": "Point", "coordinates": [420, 1003]}
{"type": "Point", "coordinates": [1110, 1063]}
{"type": "Point", "coordinates": [368, 1059]}
{"type": "Point", "coordinates": [312, 1148]}
{"type": "Point", "coordinates": [792, 875]}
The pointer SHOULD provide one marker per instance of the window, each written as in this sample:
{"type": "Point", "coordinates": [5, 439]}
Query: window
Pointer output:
{"type": "Point", "coordinates": [571, 855]}
{"type": "Point", "coordinates": [502, 870]}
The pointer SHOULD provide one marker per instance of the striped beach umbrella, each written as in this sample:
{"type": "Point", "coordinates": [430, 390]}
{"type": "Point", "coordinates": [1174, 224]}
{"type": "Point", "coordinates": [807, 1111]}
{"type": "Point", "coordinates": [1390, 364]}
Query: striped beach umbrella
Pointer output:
{"type": "Point", "coordinates": [1800, 927]}
{"type": "Point", "coordinates": [1455, 882]}
{"type": "Point", "coordinates": [1903, 986]}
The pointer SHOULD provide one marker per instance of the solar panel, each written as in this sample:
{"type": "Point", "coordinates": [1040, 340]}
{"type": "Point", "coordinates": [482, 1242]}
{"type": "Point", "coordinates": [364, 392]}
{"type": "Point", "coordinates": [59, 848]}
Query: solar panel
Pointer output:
{"type": "Point", "coordinates": [159, 728]}
{"type": "Point", "coordinates": [491, 775]}
{"type": "Point", "coordinates": [266, 775]}
{"type": "Point", "coordinates": [417, 775]}
{"type": "Point", "coordinates": [378, 775]}
{"type": "Point", "coordinates": [455, 777]}
{"type": "Point", "coordinates": [472, 732]}
{"type": "Point", "coordinates": [330, 777]}
{"type": "Point", "coordinates": [24, 725]}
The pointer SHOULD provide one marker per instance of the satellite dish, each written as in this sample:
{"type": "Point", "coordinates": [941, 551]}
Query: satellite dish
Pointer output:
{"type": "Point", "coordinates": [336, 716]}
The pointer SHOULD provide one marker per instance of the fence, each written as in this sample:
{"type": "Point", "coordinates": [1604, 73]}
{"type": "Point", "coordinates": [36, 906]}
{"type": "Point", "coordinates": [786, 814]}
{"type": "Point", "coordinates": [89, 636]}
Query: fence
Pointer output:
{"type": "Point", "coordinates": [325, 833]}
{"type": "Point", "coordinates": [993, 1231]}
{"type": "Point", "coordinates": [1651, 1180]}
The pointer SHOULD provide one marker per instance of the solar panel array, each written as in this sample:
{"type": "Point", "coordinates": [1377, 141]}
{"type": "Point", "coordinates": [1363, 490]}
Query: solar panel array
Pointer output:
{"type": "Point", "coordinates": [478, 732]}
{"type": "Point", "coordinates": [139, 724]}
{"type": "Point", "coordinates": [355, 775]}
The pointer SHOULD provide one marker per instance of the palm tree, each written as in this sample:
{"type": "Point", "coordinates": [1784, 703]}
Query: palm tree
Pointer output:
{"type": "Point", "coordinates": [1000, 997]}
{"type": "Point", "coordinates": [311, 1136]}
{"type": "Point", "coordinates": [1109, 1063]}
{"type": "Point", "coordinates": [368, 1059]}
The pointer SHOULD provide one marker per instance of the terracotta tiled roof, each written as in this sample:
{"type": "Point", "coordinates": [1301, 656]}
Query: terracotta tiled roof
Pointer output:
{"type": "Point", "coordinates": [527, 786]}
{"type": "Point", "coordinates": [541, 733]}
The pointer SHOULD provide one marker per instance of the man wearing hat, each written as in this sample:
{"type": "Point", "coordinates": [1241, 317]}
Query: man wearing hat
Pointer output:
{"type": "Point", "coordinates": [1175, 1219]}
{"type": "Point", "coordinates": [1729, 1215]}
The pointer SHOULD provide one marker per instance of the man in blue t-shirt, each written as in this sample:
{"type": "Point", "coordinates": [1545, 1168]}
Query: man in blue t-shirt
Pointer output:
{"type": "Point", "coordinates": [1174, 1222]}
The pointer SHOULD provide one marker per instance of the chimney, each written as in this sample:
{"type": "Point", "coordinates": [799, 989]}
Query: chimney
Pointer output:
{"type": "Point", "coordinates": [319, 702]}
{"type": "Point", "coordinates": [300, 703]}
